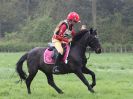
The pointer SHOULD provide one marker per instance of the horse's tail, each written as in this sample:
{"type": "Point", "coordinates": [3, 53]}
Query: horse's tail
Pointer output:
{"type": "Point", "coordinates": [19, 65]}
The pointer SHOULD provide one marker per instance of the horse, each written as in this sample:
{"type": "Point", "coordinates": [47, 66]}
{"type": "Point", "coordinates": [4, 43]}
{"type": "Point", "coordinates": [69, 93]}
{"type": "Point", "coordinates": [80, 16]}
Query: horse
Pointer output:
{"type": "Point", "coordinates": [76, 61]}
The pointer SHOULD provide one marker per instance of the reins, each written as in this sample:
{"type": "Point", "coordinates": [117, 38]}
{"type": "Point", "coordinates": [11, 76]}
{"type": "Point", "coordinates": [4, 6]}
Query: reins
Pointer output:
{"type": "Point", "coordinates": [89, 55]}
{"type": "Point", "coordinates": [85, 47]}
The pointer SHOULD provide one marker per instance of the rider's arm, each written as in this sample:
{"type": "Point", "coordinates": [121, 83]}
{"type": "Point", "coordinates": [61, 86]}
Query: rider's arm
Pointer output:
{"type": "Point", "coordinates": [73, 32]}
{"type": "Point", "coordinates": [60, 34]}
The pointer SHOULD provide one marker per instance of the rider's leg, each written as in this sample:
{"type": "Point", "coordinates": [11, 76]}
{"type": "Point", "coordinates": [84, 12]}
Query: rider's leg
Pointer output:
{"type": "Point", "coordinates": [58, 59]}
{"type": "Point", "coordinates": [59, 48]}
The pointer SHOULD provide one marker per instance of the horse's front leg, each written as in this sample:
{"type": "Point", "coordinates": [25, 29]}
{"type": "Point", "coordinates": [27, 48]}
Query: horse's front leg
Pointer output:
{"type": "Point", "coordinates": [88, 71]}
{"type": "Point", "coordinates": [83, 79]}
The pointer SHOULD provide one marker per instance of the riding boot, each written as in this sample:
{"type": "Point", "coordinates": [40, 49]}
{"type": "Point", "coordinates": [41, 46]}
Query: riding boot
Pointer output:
{"type": "Point", "coordinates": [58, 58]}
{"type": "Point", "coordinates": [57, 62]}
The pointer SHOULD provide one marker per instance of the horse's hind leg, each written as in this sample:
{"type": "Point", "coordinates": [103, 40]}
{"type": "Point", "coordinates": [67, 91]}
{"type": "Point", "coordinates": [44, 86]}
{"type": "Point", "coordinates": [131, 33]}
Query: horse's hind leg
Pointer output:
{"type": "Point", "coordinates": [32, 73]}
{"type": "Point", "coordinates": [51, 83]}
{"type": "Point", "coordinates": [88, 71]}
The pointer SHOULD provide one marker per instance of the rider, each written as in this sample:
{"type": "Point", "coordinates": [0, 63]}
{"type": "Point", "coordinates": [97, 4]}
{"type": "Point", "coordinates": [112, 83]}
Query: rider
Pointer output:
{"type": "Point", "coordinates": [64, 33]}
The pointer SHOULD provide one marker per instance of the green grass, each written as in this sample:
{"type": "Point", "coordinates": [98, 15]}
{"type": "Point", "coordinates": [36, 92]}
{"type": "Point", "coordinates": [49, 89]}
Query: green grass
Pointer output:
{"type": "Point", "coordinates": [114, 73]}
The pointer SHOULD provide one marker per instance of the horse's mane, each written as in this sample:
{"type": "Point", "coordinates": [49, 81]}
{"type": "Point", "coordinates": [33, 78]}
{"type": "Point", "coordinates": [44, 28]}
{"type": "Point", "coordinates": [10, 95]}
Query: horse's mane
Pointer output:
{"type": "Point", "coordinates": [79, 35]}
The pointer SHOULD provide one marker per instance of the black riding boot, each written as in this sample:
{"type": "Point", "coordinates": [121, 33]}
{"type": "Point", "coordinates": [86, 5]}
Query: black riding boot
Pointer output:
{"type": "Point", "coordinates": [57, 62]}
{"type": "Point", "coordinates": [58, 58]}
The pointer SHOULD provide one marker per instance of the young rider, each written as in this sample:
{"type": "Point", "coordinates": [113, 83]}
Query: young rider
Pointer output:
{"type": "Point", "coordinates": [64, 33]}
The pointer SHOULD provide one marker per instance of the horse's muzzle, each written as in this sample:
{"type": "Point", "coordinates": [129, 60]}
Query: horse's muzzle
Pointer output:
{"type": "Point", "coordinates": [98, 50]}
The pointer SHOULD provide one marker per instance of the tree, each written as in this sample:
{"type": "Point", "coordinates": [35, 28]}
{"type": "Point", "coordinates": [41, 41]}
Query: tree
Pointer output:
{"type": "Point", "coordinates": [94, 13]}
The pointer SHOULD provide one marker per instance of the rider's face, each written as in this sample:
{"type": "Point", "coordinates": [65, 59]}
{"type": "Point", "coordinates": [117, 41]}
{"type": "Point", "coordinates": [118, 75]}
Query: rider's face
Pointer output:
{"type": "Point", "coordinates": [73, 22]}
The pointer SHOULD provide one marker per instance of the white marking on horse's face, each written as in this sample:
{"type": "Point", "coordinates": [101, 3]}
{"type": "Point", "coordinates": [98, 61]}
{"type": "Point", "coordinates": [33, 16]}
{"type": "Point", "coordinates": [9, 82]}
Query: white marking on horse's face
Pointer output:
{"type": "Point", "coordinates": [96, 36]}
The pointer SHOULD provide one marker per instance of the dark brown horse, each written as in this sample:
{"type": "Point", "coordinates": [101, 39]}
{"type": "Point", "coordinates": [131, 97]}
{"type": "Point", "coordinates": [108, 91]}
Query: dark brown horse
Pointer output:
{"type": "Point", "coordinates": [76, 61]}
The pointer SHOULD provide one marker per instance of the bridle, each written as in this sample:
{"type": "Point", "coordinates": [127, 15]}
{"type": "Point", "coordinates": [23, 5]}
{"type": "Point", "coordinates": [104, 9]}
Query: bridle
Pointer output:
{"type": "Point", "coordinates": [85, 46]}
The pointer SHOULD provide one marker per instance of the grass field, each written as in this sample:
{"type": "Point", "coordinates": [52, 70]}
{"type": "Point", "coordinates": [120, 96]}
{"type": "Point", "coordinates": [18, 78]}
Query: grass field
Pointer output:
{"type": "Point", "coordinates": [114, 74]}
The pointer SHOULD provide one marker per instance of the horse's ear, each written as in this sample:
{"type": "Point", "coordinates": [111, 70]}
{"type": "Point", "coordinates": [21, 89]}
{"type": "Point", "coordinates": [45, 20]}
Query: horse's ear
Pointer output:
{"type": "Point", "coordinates": [95, 31]}
{"type": "Point", "coordinates": [91, 30]}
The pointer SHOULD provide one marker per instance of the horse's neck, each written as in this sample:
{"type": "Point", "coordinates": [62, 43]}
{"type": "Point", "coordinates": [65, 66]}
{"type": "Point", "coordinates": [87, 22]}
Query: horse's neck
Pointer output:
{"type": "Point", "coordinates": [81, 45]}
{"type": "Point", "coordinates": [83, 41]}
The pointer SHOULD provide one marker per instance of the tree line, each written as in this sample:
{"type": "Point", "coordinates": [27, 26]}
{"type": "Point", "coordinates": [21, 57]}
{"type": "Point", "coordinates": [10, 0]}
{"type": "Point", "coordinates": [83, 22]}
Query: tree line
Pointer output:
{"type": "Point", "coordinates": [25, 24]}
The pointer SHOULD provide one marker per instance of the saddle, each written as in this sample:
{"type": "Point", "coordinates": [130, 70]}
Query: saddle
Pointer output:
{"type": "Point", "coordinates": [50, 54]}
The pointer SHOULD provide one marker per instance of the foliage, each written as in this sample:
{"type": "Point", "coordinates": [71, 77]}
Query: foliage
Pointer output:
{"type": "Point", "coordinates": [34, 20]}
{"type": "Point", "coordinates": [39, 30]}
{"type": "Point", "coordinates": [18, 45]}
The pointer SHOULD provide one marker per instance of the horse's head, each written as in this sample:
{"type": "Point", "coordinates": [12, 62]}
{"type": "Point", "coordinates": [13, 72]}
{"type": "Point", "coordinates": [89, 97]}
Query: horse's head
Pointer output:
{"type": "Point", "coordinates": [86, 38]}
{"type": "Point", "coordinates": [93, 41]}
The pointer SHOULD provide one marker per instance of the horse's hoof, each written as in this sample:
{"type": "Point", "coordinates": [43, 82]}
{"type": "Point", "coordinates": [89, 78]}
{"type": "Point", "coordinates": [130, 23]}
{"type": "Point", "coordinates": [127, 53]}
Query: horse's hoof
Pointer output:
{"type": "Point", "coordinates": [61, 92]}
{"type": "Point", "coordinates": [92, 86]}
{"type": "Point", "coordinates": [29, 93]}
{"type": "Point", "coordinates": [91, 90]}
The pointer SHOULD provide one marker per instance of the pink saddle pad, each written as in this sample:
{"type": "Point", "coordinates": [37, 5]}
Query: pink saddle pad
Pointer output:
{"type": "Point", "coordinates": [48, 55]}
